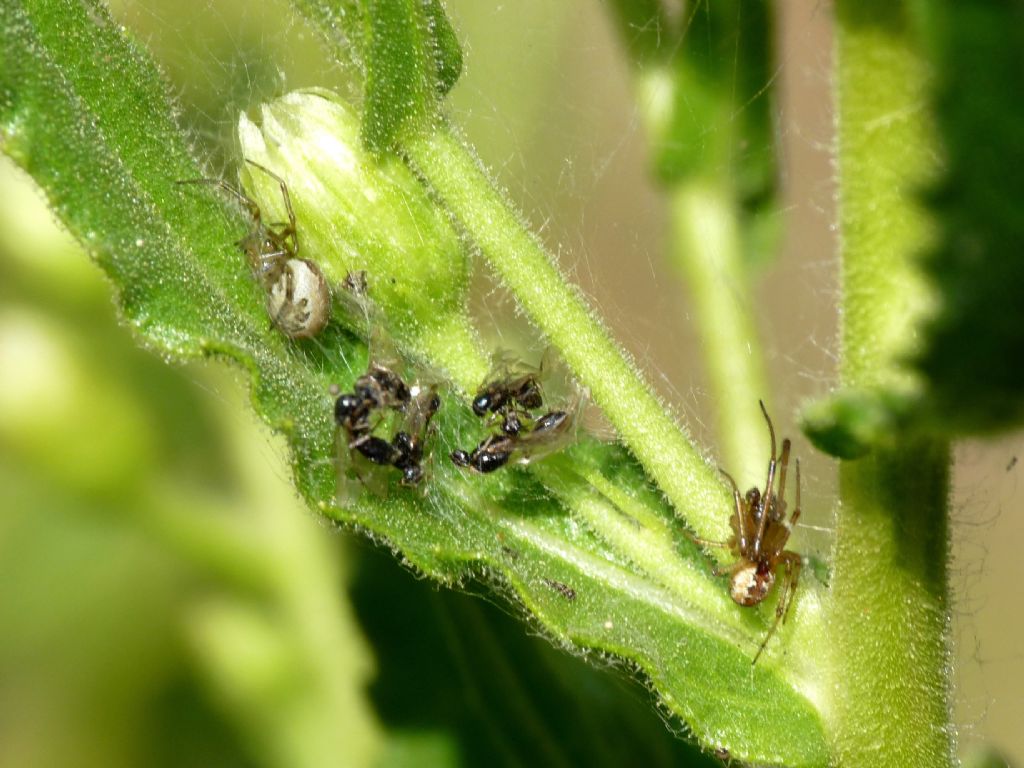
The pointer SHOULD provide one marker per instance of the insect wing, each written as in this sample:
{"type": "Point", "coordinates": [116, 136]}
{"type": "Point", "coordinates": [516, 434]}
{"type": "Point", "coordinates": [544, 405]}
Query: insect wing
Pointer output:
{"type": "Point", "coordinates": [349, 486]}
{"type": "Point", "coordinates": [421, 410]}
{"type": "Point", "coordinates": [507, 368]}
{"type": "Point", "coordinates": [550, 433]}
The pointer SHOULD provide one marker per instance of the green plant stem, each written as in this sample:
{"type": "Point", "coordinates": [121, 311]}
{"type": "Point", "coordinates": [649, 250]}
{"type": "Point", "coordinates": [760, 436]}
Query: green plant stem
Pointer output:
{"type": "Point", "coordinates": [524, 267]}
{"type": "Point", "coordinates": [889, 608]}
{"type": "Point", "coordinates": [706, 249]}
{"type": "Point", "coordinates": [888, 614]}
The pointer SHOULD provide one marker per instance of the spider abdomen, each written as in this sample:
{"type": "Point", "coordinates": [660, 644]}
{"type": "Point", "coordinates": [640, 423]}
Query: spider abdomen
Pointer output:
{"type": "Point", "coordinates": [751, 583]}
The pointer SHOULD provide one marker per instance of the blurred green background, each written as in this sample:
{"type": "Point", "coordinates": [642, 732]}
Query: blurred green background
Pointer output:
{"type": "Point", "coordinates": [167, 600]}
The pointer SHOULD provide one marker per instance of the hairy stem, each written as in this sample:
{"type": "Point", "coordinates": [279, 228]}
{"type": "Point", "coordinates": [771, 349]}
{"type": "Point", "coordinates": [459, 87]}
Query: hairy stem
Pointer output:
{"type": "Point", "coordinates": [529, 272]}
{"type": "Point", "coordinates": [705, 247]}
{"type": "Point", "coordinates": [888, 613]}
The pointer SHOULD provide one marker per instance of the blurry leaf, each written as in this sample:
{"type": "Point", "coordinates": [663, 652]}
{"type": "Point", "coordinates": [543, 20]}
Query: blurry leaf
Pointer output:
{"type": "Point", "coordinates": [715, 67]}
{"type": "Point", "coordinates": [91, 672]}
{"type": "Point", "coordinates": [130, 547]}
{"type": "Point", "coordinates": [849, 423]}
{"type": "Point", "coordinates": [985, 757]}
{"type": "Point", "coordinates": [721, 124]}
{"type": "Point", "coordinates": [182, 283]}
{"type": "Point", "coordinates": [973, 357]}
{"type": "Point", "coordinates": [594, 555]}
{"type": "Point", "coordinates": [963, 371]}
{"type": "Point", "coordinates": [644, 29]}
{"type": "Point", "coordinates": [457, 668]}
{"type": "Point", "coordinates": [413, 749]}
{"type": "Point", "coordinates": [409, 54]}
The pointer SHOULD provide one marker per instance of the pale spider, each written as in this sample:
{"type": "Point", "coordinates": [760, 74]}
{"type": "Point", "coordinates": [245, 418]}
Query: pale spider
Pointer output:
{"type": "Point", "coordinates": [760, 532]}
{"type": "Point", "coordinates": [298, 299]}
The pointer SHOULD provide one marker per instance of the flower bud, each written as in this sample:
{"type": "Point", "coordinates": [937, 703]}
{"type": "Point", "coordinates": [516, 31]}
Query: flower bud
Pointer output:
{"type": "Point", "coordinates": [357, 211]}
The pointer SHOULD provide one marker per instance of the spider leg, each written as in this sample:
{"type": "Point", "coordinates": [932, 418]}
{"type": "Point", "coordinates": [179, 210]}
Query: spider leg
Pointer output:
{"type": "Point", "coordinates": [248, 202]}
{"type": "Point", "coordinates": [771, 428]}
{"type": "Point", "coordinates": [766, 496]}
{"type": "Point", "coordinates": [290, 230]}
{"type": "Point", "coordinates": [741, 519]}
{"type": "Point", "coordinates": [709, 543]}
{"type": "Point", "coordinates": [792, 563]}
{"type": "Point", "coordinates": [728, 570]}
{"type": "Point", "coordinates": [775, 625]}
{"type": "Point", "coordinates": [268, 266]}
{"type": "Point", "coordinates": [765, 503]}
{"type": "Point", "coordinates": [796, 510]}
{"type": "Point", "coordinates": [791, 523]}
{"type": "Point", "coordinates": [783, 467]}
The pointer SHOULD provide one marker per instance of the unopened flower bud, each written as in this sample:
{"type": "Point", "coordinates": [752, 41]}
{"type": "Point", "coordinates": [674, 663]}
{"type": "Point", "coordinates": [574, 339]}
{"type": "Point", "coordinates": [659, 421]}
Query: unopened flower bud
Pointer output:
{"type": "Point", "coordinates": [357, 211]}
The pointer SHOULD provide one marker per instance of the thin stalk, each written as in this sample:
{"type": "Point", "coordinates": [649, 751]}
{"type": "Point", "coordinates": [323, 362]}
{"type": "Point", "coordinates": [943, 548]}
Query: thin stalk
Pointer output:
{"type": "Point", "coordinates": [888, 616]}
{"type": "Point", "coordinates": [559, 311]}
{"type": "Point", "coordinates": [705, 246]}
{"type": "Point", "coordinates": [706, 249]}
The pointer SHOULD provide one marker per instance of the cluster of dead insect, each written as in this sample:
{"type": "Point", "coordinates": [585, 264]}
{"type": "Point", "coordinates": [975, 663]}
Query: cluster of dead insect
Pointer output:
{"type": "Point", "coordinates": [378, 398]}
{"type": "Point", "coordinates": [509, 401]}
{"type": "Point", "coordinates": [298, 298]}
{"type": "Point", "coordinates": [512, 401]}
{"type": "Point", "coordinates": [377, 390]}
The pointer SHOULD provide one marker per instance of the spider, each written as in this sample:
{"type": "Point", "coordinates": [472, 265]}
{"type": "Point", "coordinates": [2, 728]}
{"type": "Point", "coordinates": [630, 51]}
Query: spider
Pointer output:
{"type": "Point", "coordinates": [298, 299]}
{"type": "Point", "coordinates": [760, 532]}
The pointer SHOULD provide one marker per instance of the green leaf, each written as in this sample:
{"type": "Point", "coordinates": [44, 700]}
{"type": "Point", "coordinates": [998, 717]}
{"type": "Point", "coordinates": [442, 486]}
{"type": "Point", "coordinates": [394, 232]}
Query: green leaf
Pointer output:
{"type": "Point", "coordinates": [409, 55]}
{"type": "Point", "coordinates": [957, 216]}
{"type": "Point", "coordinates": [87, 114]}
{"type": "Point", "coordinates": [721, 118]}
{"type": "Point", "coordinates": [973, 356]}
{"type": "Point", "coordinates": [475, 684]}
{"type": "Point", "coordinates": [851, 422]}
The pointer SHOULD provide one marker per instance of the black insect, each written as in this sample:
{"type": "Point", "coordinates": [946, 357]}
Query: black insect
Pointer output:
{"type": "Point", "coordinates": [563, 589]}
{"type": "Point", "coordinates": [408, 442]}
{"type": "Point", "coordinates": [542, 436]}
{"type": "Point", "coordinates": [510, 393]}
{"type": "Point", "coordinates": [377, 389]}
{"type": "Point", "coordinates": [381, 397]}
{"type": "Point", "coordinates": [358, 414]}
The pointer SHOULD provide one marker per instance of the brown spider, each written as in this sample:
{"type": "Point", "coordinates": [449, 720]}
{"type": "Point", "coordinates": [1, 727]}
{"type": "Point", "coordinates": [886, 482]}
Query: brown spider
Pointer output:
{"type": "Point", "coordinates": [760, 532]}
